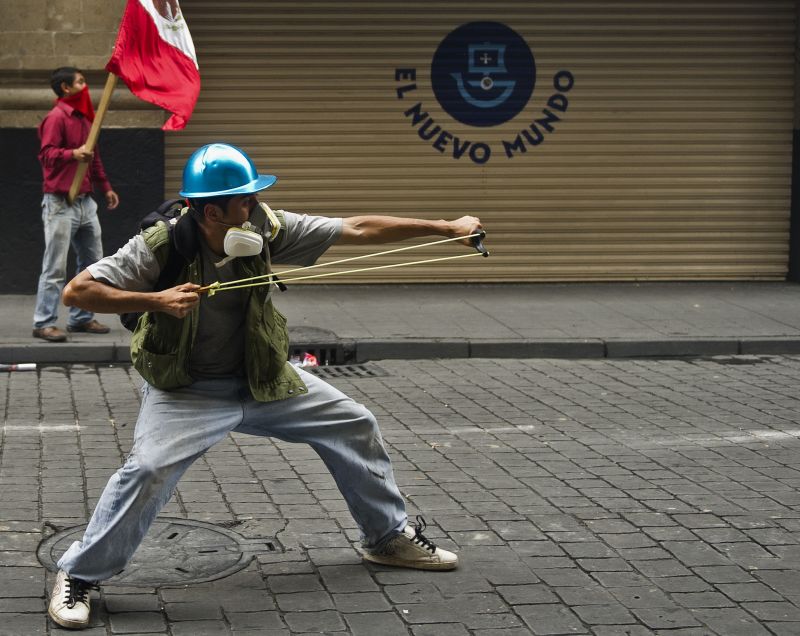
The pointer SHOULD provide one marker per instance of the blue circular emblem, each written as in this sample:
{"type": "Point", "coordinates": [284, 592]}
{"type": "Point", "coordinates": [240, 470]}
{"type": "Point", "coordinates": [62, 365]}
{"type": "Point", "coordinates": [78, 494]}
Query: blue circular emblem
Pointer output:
{"type": "Point", "coordinates": [483, 73]}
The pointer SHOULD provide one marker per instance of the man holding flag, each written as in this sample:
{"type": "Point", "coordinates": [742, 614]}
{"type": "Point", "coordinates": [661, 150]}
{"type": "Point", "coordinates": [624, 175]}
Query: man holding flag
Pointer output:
{"type": "Point", "coordinates": [154, 55]}
{"type": "Point", "coordinates": [68, 220]}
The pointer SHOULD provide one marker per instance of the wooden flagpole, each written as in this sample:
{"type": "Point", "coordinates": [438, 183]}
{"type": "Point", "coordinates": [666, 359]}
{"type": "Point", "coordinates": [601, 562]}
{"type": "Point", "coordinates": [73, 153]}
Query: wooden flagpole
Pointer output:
{"type": "Point", "coordinates": [94, 133]}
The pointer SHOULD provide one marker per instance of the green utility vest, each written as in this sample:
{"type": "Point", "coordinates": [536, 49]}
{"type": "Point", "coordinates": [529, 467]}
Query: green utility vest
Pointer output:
{"type": "Point", "coordinates": [161, 344]}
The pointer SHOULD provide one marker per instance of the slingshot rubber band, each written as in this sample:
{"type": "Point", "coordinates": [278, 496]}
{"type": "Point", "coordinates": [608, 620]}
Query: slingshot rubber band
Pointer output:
{"type": "Point", "coordinates": [213, 288]}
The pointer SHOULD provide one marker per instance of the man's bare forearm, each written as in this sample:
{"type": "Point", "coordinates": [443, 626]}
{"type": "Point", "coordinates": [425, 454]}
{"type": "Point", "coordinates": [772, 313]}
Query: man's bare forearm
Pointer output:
{"type": "Point", "coordinates": [388, 229]}
{"type": "Point", "coordinates": [87, 293]}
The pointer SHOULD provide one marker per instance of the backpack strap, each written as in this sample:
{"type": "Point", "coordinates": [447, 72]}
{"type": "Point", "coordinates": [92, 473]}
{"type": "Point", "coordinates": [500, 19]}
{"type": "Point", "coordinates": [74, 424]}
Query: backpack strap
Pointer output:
{"type": "Point", "coordinates": [174, 245]}
{"type": "Point", "coordinates": [279, 235]}
{"type": "Point", "coordinates": [161, 231]}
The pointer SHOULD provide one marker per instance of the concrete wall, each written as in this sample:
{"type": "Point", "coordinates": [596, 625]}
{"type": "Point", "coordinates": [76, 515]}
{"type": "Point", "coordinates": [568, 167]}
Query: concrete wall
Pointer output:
{"type": "Point", "coordinates": [37, 36]}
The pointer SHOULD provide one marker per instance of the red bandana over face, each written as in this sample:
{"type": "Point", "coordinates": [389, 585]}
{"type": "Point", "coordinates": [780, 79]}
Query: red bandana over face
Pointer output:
{"type": "Point", "coordinates": [81, 102]}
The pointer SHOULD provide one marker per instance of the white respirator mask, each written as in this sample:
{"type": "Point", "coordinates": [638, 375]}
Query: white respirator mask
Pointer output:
{"type": "Point", "coordinates": [248, 239]}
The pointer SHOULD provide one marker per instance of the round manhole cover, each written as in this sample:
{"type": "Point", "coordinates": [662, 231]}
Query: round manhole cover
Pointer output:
{"type": "Point", "coordinates": [174, 552]}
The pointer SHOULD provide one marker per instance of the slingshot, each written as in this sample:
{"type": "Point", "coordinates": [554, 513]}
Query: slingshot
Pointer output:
{"type": "Point", "coordinates": [268, 279]}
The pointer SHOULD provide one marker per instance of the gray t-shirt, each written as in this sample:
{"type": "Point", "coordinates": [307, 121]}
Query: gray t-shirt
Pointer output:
{"type": "Point", "coordinates": [219, 342]}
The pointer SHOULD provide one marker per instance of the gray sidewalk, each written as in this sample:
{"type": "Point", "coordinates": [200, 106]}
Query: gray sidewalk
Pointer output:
{"type": "Point", "coordinates": [356, 323]}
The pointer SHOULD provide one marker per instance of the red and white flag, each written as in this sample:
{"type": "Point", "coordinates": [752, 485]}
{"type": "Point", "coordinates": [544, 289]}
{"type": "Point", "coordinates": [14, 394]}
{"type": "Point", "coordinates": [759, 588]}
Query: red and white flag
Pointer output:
{"type": "Point", "coordinates": [154, 55]}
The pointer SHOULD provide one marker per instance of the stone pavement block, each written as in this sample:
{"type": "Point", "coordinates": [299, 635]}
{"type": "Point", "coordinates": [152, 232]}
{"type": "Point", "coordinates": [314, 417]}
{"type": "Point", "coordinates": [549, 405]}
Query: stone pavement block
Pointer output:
{"type": "Point", "coordinates": [198, 610]}
{"type": "Point", "coordinates": [456, 629]}
{"type": "Point", "coordinates": [361, 602]}
{"type": "Point", "coordinates": [419, 592]}
{"type": "Point", "coordinates": [284, 584]}
{"type": "Point", "coordinates": [730, 622]}
{"type": "Point", "coordinates": [464, 580]}
{"type": "Point", "coordinates": [643, 554]}
{"type": "Point", "coordinates": [22, 605]}
{"type": "Point", "coordinates": [771, 536]}
{"type": "Point", "coordinates": [199, 628]}
{"type": "Point", "coordinates": [528, 594]}
{"type": "Point", "coordinates": [334, 556]}
{"type": "Point", "coordinates": [506, 573]}
{"type": "Point", "coordinates": [23, 625]}
{"type": "Point", "coordinates": [682, 584]}
{"type": "Point", "coordinates": [499, 621]}
{"type": "Point", "coordinates": [780, 611]}
{"type": "Point", "coordinates": [625, 630]}
{"type": "Point", "coordinates": [21, 582]}
{"type": "Point", "coordinates": [244, 600]}
{"type": "Point", "coordinates": [725, 574]}
{"type": "Point", "coordinates": [613, 614]}
{"type": "Point", "coordinates": [243, 621]}
{"type": "Point", "coordinates": [641, 597]}
{"type": "Point", "coordinates": [18, 558]}
{"type": "Point", "coordinates": [782, 581]}
{"type": "Point", "coordinates": [325, 621]}
{"type": "Point", "coordinates": [604, 565]}
{"type": "Point", "coordinates": [347, 578]}
{"type": "Point", "coordinates": [701, 599]}
{"type": "Point", "coordinates": [383, 623]}
{"type": "Point", "coordinates": [137, 622]}
{"type": "Point", "coordinates": [568, 577]}
{"type": "Point", "coordinates": [544, 620]}
{"type": "Point", "coordinates": [665, 618]}
{"type": "Point", "coordinates": [118, 603]}
{"type": "Point", "coordinates": [459, 523]}
{"type": "Point", "coordinates": [429, 612]}
{"type": "Point", "coordinates": [537, 563]}
{"type": "Point", "coordinates": [740, 592]}
{"type": "Point", "coordinates": [782, 629]}
{"type": "Point", "coordinates": [695, 553]}
{"type": "Point", "coordinates": [476, 538]}
{"type": "Point", "coordinates": [19, 541]}
{"type": "Point", "coordinates": [304, 602]}
{"type": "Point", "coordinates": [589, 549]}
{"type": "Point", "coordinates": [645, 539]}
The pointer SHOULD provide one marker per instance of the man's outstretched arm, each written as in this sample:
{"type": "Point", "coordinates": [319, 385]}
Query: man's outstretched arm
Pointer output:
{"type": "Point", "coordinates": [360, 230]}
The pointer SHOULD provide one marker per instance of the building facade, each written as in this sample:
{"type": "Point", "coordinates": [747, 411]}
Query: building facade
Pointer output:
{"type": "Point", "coordinates": [597, 141]}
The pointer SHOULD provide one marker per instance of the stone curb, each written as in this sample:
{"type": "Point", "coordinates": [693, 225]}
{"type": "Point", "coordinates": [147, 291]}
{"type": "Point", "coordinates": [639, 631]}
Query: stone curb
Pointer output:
{"type": "Point", "coordinates": [357, 351]}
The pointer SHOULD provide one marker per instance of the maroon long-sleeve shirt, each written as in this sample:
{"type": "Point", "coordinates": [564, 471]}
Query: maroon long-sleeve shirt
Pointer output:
{"type": "Point", "coordinates": [63, 129]}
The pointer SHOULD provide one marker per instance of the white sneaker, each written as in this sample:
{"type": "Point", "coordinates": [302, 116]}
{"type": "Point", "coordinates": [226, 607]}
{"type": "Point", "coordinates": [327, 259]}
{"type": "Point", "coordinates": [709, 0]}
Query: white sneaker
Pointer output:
{"type": "Point", "coordinates": [69, 603]}
{"type": "Point", "coordinates": [411, 549]}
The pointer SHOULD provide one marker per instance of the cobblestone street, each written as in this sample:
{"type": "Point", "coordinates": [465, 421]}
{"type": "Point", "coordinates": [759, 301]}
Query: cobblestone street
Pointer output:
{"type": "Point", "coordinates": [605, 497]}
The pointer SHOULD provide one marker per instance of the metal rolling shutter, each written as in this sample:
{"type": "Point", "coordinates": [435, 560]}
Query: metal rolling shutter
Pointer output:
{"type": "Point", "coordinates": [672, 161]}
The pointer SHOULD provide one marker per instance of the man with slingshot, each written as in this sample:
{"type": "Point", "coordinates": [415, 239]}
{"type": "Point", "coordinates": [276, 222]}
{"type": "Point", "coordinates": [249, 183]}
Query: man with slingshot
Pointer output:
{"type": "Point", "coordinates": [213, 365]}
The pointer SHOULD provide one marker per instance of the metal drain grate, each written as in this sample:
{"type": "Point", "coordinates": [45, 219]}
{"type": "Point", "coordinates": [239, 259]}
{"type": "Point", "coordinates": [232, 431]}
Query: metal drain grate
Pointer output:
{"type": "Point", "coordinates": [369, 370]}
{"type": "Point", "coordinates": [174, 552]}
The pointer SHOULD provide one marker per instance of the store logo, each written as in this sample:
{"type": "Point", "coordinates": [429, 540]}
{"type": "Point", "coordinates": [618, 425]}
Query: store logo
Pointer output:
{"type": "Point", "coordinates": [483, 74]}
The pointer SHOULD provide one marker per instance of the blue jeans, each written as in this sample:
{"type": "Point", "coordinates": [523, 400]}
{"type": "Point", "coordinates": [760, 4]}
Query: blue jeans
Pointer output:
{"type": "Point", "coordinates": [176, 427]}
{"type": "Point", "coordinates": [65, 225]}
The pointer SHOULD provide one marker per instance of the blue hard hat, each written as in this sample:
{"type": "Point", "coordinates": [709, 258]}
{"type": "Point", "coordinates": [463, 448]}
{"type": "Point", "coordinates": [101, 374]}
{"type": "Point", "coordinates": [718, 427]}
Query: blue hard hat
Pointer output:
{"type": "Point", "coordinates": [221, 170]}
